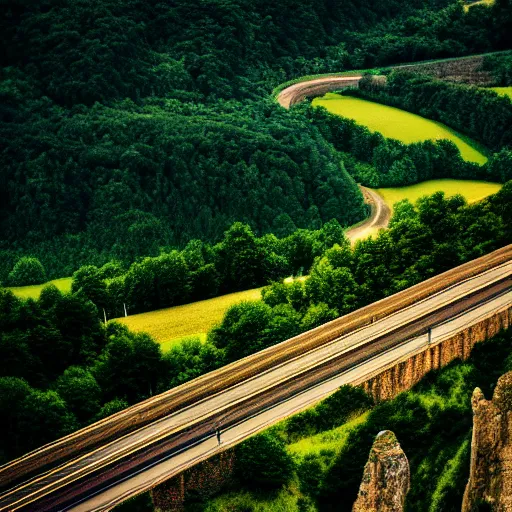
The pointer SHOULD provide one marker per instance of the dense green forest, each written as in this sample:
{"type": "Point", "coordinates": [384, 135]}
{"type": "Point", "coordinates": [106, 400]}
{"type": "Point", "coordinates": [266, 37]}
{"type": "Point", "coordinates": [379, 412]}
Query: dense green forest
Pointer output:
{"type": "Point", "coordinates": [131, 127]}
{"type": "Point", "coordinates": [61, 368]}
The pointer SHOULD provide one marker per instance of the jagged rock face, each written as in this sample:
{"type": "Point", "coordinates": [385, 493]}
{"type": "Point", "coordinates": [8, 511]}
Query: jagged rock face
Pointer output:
{"type": "Point", "coordinates": [386, 477]}
{"type": "Point", "coordinates": [490, 477]}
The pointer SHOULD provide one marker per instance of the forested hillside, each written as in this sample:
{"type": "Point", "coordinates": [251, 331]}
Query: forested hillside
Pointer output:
{"type": "Point", "coordinates": [128, 127]}
{"type": "Point", "coordinates": [61, 368]}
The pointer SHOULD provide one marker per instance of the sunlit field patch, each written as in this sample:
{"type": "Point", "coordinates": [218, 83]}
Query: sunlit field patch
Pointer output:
{"type": "Point", "coordinates": [169, 326]}
{"type": "Point", "coordinates": [472, 190]}
{"type": "Point", "coordinates": [487, 3]}
{"type": "Point", "coordinates": [505, 91]}
{"type": "Point", "coordinates": [398, 124]}
{"type": "Point", "coordinates": [33, 292]}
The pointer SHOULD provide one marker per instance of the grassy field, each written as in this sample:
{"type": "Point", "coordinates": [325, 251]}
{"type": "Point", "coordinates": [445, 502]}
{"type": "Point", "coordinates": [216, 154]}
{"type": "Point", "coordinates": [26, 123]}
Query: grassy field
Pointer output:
{"type": "Point", "coordinates": [472, 190]}
{"type": "Point", "coordinates": [33, 292]}
{"type": "Point", "coordinates": [479, 2]}
{"type": "Point", "coordinates": [398, 124]}
{"type": "Point", "coordinates": [505, 91]}
{"type": "Point", "coordinates": [170, 326]}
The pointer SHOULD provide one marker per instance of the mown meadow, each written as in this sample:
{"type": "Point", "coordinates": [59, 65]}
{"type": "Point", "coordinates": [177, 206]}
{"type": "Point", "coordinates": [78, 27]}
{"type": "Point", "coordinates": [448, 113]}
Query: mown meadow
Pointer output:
{"type": "Point", "coordinates": [34, 291]}
{"type": "Point", "coordinates": [471, 190]}
{"type": "Point", "coordinates": [169, 326]}
{"type": "Point", "coordinates": [395, 123]}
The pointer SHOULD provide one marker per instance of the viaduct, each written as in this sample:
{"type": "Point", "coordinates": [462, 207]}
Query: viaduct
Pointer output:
{"type": "Point", "coordinates": [385, 347]}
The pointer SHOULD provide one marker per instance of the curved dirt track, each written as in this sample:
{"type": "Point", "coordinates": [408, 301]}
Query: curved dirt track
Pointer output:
{"type": "Point", "coordinates": [379, 217]}
{"type": "Point", "coordinates": [380, 211]}
{"type": "Point", "coordinates": [317, 87]}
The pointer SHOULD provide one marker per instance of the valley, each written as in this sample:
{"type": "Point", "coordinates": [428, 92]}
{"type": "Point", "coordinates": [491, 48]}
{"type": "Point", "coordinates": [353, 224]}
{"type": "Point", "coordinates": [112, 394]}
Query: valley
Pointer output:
{"type": "Point", "coordinates": [285, 229]}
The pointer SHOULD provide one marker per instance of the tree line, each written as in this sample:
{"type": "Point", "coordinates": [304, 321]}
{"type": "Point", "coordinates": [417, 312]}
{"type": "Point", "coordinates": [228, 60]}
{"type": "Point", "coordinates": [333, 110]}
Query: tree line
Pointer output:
{"type": "Point", "coordinates": [61, 368]}
{"type": "Point", "coordinates": [240, 261]}
{"type": "Point", "coordinates": [376, 161]}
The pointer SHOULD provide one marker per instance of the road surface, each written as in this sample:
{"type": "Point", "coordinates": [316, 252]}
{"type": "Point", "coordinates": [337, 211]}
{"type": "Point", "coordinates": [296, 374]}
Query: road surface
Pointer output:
{"type": "Point", "coordinates": [379, 217]}
{"type": "Point", "coordinates": [317, 87]}
{"type": "Point", "coordinates": [135, 461]}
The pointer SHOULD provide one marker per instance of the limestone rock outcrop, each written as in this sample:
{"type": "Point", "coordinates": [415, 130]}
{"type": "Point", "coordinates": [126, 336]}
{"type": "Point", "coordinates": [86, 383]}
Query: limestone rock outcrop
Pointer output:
{"type": "Point", "coordinates": [490, 476]}
{"type": "Point", "coordinates": [386, 477]}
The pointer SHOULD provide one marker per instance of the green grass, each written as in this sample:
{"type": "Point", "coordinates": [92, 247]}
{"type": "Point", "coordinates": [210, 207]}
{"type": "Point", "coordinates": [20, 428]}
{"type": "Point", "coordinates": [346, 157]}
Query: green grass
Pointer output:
{"type": "Point", "coordinates": [504, 91]}
{"type": "Point", "coordinates": [33, 292]}
{"type": "Point", "coordinates": [169, 326]}
{"type": "Point", "coordinates": [472, 190]}
{"type": "Point", "coordinates": [398, 124]}
{"type": "Point", "coordinates": [331, 440]}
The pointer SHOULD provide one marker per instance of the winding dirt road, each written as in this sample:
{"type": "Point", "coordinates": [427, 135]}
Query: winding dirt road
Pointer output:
{"type": "Point", "coordinates": [379, 217]}
{"type": "Point", "coordinates": [380, 211]}
{"type": "Point", "coordinates": [317, 87]}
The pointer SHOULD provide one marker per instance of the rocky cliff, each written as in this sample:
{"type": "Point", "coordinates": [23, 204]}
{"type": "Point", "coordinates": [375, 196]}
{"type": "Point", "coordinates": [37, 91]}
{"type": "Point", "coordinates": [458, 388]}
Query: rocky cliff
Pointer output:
{"type": "Point", "coordinates": [490, 478]}
{"type": "Point", "coordinates": [386, 477]}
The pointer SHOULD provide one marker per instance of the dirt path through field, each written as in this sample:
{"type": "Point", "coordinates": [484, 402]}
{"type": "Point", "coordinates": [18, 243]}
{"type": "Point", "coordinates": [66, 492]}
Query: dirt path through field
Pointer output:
{"type": "Point", "coordinates": [379, 217]}
{"type": "Point", "coordinates": [317, 87]}
{"type": "Point", "coordinates": [380, 211]}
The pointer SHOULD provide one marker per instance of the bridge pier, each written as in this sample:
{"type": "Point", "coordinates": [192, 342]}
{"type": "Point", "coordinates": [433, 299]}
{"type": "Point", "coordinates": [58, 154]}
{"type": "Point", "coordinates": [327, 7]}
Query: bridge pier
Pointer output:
{"type": "Point", "coordinates": [200, 483]}
{"type": "Point", "coordinates": [405, 374]}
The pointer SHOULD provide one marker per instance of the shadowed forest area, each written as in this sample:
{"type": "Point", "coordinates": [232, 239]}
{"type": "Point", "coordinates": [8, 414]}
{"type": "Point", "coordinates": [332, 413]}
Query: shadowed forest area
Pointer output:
{"type": "Point", "coordinates": [118, 120]}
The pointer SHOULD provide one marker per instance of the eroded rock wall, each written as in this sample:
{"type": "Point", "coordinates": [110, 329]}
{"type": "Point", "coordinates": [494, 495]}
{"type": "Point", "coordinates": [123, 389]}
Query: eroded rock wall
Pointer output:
{"type": "Point", "coordinates": [406, 374]}
{"type": "Point", "coordinates": [490, 477]}
{"type": "Point", "coordinates": [202, 481]}
{"type": "Point", "coordinates": [386, 478]}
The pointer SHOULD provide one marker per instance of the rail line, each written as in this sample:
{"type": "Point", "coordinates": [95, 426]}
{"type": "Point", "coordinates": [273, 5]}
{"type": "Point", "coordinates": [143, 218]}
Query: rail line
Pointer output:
{"type": "Point", "coordinates": [273, 376]}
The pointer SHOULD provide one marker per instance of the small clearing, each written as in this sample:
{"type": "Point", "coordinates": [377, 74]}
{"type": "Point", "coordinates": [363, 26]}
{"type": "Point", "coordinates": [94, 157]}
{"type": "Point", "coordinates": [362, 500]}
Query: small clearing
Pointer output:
{"type": "Point", "coordinates": [33, 291]}
{"type": "Point", "coordinates": [169, 326]}
{"type": "Point", "coordinates": [504, 91]}
{"type": "Point", "coordinates": [398, 124]}
{"type": "Point", "coordinates": [472, 190]}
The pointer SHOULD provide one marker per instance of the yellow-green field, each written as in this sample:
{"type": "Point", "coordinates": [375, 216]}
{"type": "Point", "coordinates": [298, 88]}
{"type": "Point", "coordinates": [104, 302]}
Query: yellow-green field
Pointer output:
{"type": "Point", "coordinates": [332, 440]}
{"type": "Point", "coordinates": [472, 190]}
{"type": "Point", "coordinates": [398, 124]}
{"type": "Point", "coordinates": [171, 325]}
{"type": "Point", "coordinates": [479, 2]}
{"type": "Point", "coordinates": [505, 91]}
{"type": "Point", "coordinates": [33, 292]}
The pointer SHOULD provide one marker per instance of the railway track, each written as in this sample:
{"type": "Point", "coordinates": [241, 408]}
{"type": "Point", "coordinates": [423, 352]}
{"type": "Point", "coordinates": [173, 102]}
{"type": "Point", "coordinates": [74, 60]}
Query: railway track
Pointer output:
{"type": "Point", "coordinates": [116, 449]}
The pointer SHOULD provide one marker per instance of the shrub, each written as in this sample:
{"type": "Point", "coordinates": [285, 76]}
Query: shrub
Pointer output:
{"type": "Point", "coordinates": [27, 271]}
{"type": "Point", "coordinates": [262, 461]}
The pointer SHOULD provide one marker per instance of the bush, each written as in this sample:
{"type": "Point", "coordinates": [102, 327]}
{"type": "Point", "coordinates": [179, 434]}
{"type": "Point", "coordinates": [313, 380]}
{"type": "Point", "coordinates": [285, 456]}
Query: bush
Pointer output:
{"type": "Point", "coordinates": [262, 461]}
{"type": "Point", "coordinates": [27, 271]}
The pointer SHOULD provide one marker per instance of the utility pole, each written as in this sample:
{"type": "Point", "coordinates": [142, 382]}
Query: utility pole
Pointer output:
{"type": "Point", "coordinates": [125, 312]}
{"type": "Point", "coordinates": [105, 316]}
